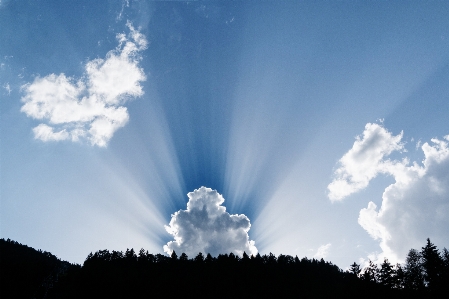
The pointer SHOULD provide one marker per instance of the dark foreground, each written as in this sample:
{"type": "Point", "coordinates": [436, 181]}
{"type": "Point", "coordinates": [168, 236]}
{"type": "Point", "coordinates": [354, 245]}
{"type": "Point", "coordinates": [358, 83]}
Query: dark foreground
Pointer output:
{"type": "Point", "coordinates": [28, 273]}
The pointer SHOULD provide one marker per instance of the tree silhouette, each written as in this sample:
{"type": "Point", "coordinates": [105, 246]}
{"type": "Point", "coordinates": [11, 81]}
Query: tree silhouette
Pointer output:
{"type": "Point", "coordinates": [386, 274]}
{"type": "Point", "coordinates": [432, 265]}
{"type": "Point", "coordinates": [199, 258]}
{"type": "Point", "coordinates": [183, 257]}
{"type": "Point", "coordinates": [398, 277]}
{"type": "Point", "coordinates": [355, 269]}
{"type": "Point", "coordinates": [370, 273]}
{"type": "Point", "coordinates": [209, 259]}
{"type": "Point", "coordinates": [414, 278]}
{"type": "Point", "coordinates": [445, 270]}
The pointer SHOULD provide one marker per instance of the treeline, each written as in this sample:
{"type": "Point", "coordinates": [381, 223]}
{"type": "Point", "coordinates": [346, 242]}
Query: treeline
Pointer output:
{"type": "Point", "coordinates": [130, 274]}
{"type": "Point", "coordinates": [119, 274]}
{"type": "Point", "coordinates": [425, 272]}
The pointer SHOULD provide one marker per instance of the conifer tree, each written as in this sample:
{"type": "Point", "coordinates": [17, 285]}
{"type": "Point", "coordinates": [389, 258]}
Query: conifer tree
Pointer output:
{"type": "Point", "coordinates": [371, 273]}
{"type": "Point", "coordinates": [183, 257]}
{"type": "Point", "coordinates": [432, 265]}
{"type": "Point", "coordinates": [174, 256]}
{"type": "Point", "coordinates": [413, 269]}
{"type": "Point", "coordinates": [355, 269]}
{"type": "Point", "coordinates": [199, 258]}
{"type": "Point", "coordinates": [399, 277]}
{"type": "Point", "coordinates": [386, 274]}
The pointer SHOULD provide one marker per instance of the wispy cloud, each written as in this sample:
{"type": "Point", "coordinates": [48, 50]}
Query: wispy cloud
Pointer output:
{"type": "Point", "coordinates": [418, 144]}
{"type": "Point", "coordinates": [92, 106]}
{"type": "Point", "coordinates": [125, 3]}
{"type": "Point", "coordinates": [7, 88]}
{"type": "Point", "coordinates": [322, 251]}
{"type": "Point", "coordinates": [206, 227]}
{"type": "Point", "coordinates": [3, 3]}
{"type": "Point", "coordinates": [413, 208]}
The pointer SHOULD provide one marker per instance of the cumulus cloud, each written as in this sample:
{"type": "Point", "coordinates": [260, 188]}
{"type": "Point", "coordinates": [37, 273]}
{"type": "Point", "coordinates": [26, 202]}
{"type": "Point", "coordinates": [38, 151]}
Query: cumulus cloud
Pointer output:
{"type": "Point", "coordinates": [415, 206]}
{"type": "Point", "coordinates": [322, 251]}
{"type": "Point", "coordinates": [92, 106]}
{"type": "Point", "coordinates": [364, 161]}
{"type": "Point", "coordinates": [206, 227]}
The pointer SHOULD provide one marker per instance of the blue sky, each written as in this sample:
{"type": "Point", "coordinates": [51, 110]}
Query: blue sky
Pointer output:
{"type": "Point", "coordinates": [299, 114]}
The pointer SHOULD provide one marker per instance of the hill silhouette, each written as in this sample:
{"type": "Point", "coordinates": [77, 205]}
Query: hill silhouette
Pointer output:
{"type": "Point", "coordinates": [30, 273]}
{"type": "Point", "coordinates": [26, 272]}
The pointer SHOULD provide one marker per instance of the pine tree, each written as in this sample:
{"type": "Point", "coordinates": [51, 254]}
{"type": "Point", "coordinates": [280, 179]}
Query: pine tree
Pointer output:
{"type": "Point", "coordinates": [413, 269]}
{"type": "Point", "coordinates": [142, 255]}
{"type": "Point", "coordinates": [386, 274]}
{"type": "Point", "coordinates": [432, 265]}
{"type": "Point", "coordinates": [371, 273]}
{"type": "Point", "coordinates": [445, 275]}
{"type": "Point", "coordinates": [355, 269]}
{"type": "Point", "coordinates": [183, 257]}
{"type": "Point", "coordinates": [209, 259]}
{"type": "Point", "coordinates": [199, 258]}
{"type": "Point", "coordinates": [399, 277]}
{"type": "Point", "coordinates": [130, 254]}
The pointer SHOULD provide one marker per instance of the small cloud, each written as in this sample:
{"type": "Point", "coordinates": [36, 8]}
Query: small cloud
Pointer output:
{"type": "Point", "coordinates": [322, 251]}
{"type": "Point", "coordinates": [418, 144]}
{"type": "Point", "coordinates": [206, 227]}
{"type": "Point", "coordinates": [125, 3]}
{"type": "Point", "coordinates": [46, 133]}
{"type": "Point", "coordinates": [230, 21]}
{"type": "Point", "coordinates": [92, 106]}
{"type": "Point", "coordinates": [7, 88]}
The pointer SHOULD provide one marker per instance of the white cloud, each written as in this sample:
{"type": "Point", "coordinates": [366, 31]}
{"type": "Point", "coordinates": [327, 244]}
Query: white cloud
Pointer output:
{"type": "Point", "coordinates": [90, 107]}
{"type": "Point", "coordinates": [7, 88]}
{"type": "Point", "coordinates": [46, 133]}
{"type": "Point", "coordinates": [415, 206]}
{"type": "Point", "coordinates": [206, 227]}
{"type": "Point", "coordinates": [364, 161]}
{"type": "Point", "coordinates": [418, 144]}
{"type": "Point", "coordinates": [125, 3]}
{"type": "Point", "coordinates": [322, 251]}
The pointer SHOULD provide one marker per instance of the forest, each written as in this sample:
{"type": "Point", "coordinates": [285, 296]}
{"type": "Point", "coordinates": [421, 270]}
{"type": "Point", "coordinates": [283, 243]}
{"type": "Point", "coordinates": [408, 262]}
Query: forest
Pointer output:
{"type": "Point", "coordinates": [29, 273]}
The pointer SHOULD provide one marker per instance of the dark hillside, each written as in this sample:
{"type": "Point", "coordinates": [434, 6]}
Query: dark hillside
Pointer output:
{"type": "Point", "coordinates": [26, 272]}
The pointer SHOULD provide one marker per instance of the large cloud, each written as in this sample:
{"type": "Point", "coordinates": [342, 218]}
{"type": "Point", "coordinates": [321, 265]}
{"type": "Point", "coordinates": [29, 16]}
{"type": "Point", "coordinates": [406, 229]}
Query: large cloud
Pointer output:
{"type": "Point", "coordinates": [206, 227]}
{"type": "Point", "coordinates": [413, 208]}
{"type": "Point", "coordinates": [90, 107]}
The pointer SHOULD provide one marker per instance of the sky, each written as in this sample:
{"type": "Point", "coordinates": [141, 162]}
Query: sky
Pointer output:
{"type": "Point", "coordinates": [308, 128]}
